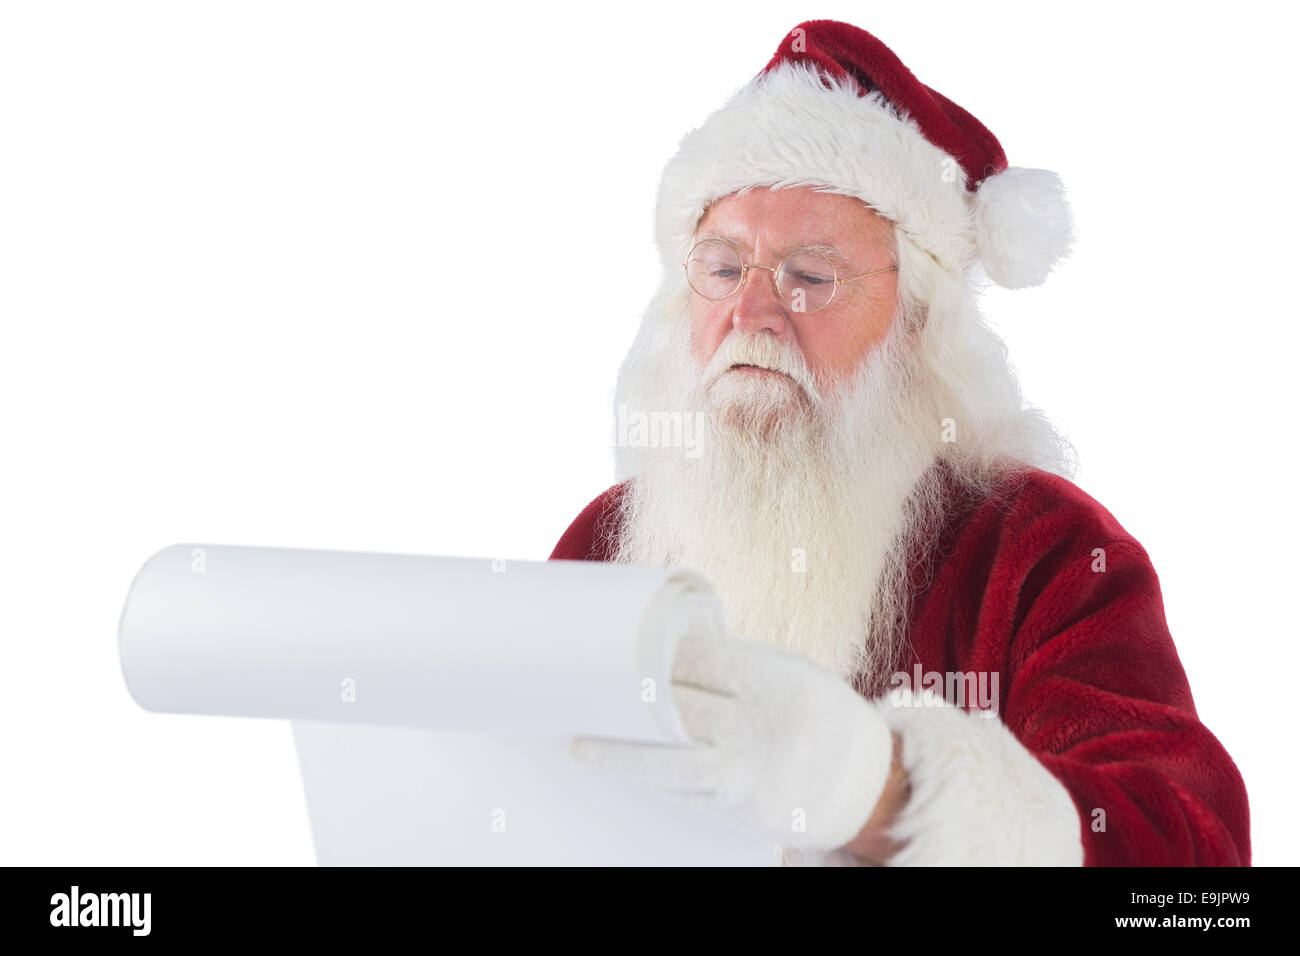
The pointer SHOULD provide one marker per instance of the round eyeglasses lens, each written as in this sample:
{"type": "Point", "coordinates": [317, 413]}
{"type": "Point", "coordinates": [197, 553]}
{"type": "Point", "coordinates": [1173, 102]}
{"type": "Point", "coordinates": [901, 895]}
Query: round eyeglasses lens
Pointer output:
{"type": "Point", "coordinates": [714, 269]}
{"type": "Point", "coordinates": [807, 281]}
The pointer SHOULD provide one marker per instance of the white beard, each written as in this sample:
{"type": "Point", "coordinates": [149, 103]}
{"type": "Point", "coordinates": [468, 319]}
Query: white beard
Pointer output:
{"type": "Point", "coordinates": [802, 504]}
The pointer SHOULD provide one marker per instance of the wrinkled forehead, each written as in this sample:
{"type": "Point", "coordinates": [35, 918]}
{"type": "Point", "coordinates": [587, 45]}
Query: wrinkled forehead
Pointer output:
{"type": "Point", "coordinates": [778, 219]}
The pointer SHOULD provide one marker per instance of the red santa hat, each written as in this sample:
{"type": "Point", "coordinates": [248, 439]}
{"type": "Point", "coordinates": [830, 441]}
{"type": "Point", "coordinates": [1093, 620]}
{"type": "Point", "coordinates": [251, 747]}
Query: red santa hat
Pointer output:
{"type": "Point", "coordinates": [837, 110]}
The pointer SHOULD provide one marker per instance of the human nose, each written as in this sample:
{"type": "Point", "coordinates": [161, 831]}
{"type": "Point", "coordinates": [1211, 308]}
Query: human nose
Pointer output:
{"type": "Point", "coordinates": [758, 306]}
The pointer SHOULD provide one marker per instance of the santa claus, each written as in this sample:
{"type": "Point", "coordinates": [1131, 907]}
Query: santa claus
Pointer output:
{"type": "Point", "coordinates": [944, 651]}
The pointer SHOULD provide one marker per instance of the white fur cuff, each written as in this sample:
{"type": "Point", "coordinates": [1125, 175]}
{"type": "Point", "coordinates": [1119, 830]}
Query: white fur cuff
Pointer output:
{"type": "Point", "coordinates": [978, 797]}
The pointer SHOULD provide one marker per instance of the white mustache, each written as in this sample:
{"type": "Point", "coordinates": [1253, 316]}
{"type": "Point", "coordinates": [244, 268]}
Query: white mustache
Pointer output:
{"type": "Point", "coordinates": [763, 351]}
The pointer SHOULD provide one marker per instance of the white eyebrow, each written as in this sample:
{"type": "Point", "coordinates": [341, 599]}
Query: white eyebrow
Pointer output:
{"type": "Point", "coordinates": [829, 251]}
{"type": "Point", "coordinates": [825, 249]}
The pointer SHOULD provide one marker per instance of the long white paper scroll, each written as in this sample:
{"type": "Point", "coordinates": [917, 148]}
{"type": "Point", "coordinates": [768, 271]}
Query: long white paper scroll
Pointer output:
{"type": "Point", "coordinates": [433, 699]}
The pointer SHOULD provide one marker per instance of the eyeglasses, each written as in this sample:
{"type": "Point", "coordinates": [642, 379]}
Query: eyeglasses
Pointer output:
{"type": "Point", "coordinates": [805, 280]}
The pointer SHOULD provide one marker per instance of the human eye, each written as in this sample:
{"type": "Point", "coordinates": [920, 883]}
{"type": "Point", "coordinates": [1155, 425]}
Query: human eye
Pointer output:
{"type": "Point", "coordinates": [809, 269]}
{"type": "Point", "coordinates": [805, 277]}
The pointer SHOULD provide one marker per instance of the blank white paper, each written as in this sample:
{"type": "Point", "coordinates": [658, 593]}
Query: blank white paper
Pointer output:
{"type": "Point", "coordinates": [433, 698]}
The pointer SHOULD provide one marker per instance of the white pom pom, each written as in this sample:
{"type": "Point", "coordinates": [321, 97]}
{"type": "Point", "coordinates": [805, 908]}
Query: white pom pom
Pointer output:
{"type": "Point", "coordinates": [1022, 225]}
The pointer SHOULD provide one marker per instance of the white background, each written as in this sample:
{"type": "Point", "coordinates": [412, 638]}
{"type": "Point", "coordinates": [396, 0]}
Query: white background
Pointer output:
{"type": "Point", "coordinates": [359, 276]}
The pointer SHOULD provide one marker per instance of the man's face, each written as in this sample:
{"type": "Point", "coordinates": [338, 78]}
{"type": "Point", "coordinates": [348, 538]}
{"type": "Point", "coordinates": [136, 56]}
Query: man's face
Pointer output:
{"type": "Point", "coordinates": [813, 465]}
{"type": "Point", "coordinates": [765, 224]}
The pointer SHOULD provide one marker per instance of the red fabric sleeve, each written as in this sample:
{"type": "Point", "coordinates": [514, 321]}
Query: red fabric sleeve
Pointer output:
{"type": "Point", "coordinates": [1098, 692]}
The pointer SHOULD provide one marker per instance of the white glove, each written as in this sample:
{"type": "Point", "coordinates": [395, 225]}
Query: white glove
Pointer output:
{"type": "Point", "coordinates": [783, 745]}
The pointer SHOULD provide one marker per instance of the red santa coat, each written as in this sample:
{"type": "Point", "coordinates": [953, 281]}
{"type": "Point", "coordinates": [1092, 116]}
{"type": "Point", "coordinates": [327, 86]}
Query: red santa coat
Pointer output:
{"type": "Point", "coordinates": [1091, 688]}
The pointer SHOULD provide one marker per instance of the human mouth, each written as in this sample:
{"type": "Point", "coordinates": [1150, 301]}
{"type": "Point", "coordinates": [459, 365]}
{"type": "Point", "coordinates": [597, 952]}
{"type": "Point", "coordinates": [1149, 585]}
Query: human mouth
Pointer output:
{"type": "Point", "coordinates": [741, 367]}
